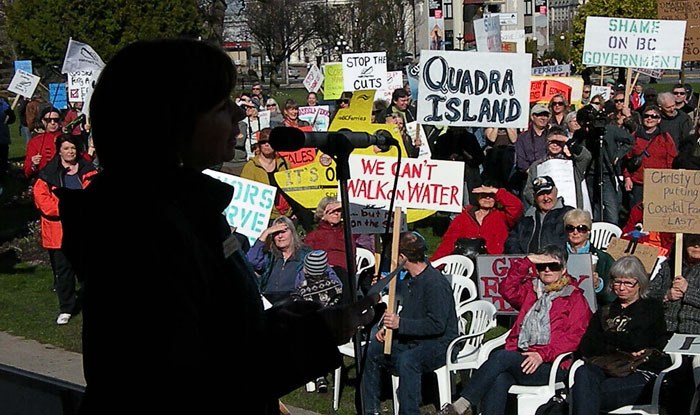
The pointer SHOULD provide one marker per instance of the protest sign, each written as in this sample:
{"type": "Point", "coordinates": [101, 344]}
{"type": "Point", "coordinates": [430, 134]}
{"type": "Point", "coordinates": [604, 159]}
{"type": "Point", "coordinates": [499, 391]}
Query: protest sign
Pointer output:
{"type": "Point", "coordinates": [689, 11]}
{"type": "Point", "coordinates": [413, 76]}
{"type": "Point", "coordinates": [25, 65]}
{"type": "Point", "coordinates": [513, 36]}
{"type": "Point", "coordinates": [364, 71]}
{"type": "Point", "coordinates": [672, 200]}
{"type": "Point", "coordinates": [372, 220]}
{"type": "Point", "coordinates": [333, 80]}
{"type": "Point", "coordinates": [298, 158]}
{"type": "Point", "coordinates": [474, 89]}
{"type": "Point", "coordinates": [684, 344]}
{"type": "Point", "coordinates": [648, 254]}
{"type": "Point", "coordinates": [23, 83]}
{"type": "Point", "coordinates": [653, 73]}
{"type": "Point", "coordinates": [310, 182]}
{"type": "Point", "coordinates": [251, 205]}
{"type": "Point", "coordinates": [423, 183]}
{"type": "Point", "coordinates": [604, 91]}
{"type": "Point", "coordinates": [394, 80]}
{"type": "Point", "coordinates": [504, 18]}
{"type": "Point", "coordinates": [78, 84]}
{"type": "Point", "coordinates": [633, 43]}
{"type": "Point", "coordinates": [552, 70]}
{"type": "Point", "coordinates": [488, 34]}
{"type": "Point", "coordinates": [562, 172]}
{"type": "Point", "coordinates": [318, 116]}
{"type": "Point", "coordinates": [493, 268]}
{"type": "Point", "coordinates": [416, 133]}
{"type": "Point", "coordinates": [57, 96]}
{"type": "Point", "coordinates": [314, 79]}
{"type": "Point", "coordinates": [543, 88]}
{"type": "Point", "coordinates": [81, 56]}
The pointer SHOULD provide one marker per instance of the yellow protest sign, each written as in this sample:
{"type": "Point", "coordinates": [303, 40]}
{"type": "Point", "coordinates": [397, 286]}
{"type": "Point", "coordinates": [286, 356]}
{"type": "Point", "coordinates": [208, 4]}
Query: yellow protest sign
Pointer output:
{"type": "Point", "coordinates": [333, 80]}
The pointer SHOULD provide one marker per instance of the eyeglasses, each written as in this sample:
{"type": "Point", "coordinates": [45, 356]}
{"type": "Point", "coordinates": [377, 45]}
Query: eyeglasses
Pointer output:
{"type": "Point", "coordinates": [541, 114]}
{"type": "Point", "coordinates": [596, 103]}
{"type": "Point", "coordinates": [557, 103]}
{"type": "Point", "coordinates": [553, 266]}
{"type": "Point", "coordinates": [678, 92]}
{"type": "Point", "coordinates": [271, 105]}
{"type": "Point", "coordinates": [652, 116]}
{"type": "Point", "coordinates": [557, 143]}
{"type": "Point", "coordinates": [619, 101]}
{"type": "Point", "coordinates": [50, 120]}
{"type": "Point", "coordinates": [626, 284]}
{"type": "Point", "coordinates": [486, 195]}
{"type": "Point", "coordinates": [334, 211]}
{"type": "Point", "coordinates": [586, 91]}
{"type": "Point", "coordinates": [579, 228]}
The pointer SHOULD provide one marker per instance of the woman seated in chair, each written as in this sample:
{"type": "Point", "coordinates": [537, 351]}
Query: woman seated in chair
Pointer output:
{"type": "Point", "coordinates": [496, 213]}
{"type": "Point", "coordinates": [553, 315]}
{"type": "Point", "coordinates": [578, 225]}
{"type": "Point", "coordinates": [632, 323]}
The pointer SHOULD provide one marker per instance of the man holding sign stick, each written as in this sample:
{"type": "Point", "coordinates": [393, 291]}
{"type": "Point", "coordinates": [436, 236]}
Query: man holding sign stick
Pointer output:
{"type": "Point", "coordinates": [421, 333]}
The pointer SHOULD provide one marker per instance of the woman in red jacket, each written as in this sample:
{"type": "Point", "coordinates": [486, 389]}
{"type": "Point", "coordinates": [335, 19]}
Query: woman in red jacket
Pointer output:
{"type": "Point", "coordinates": [552, 317]}
{"type": "Point", "coordinates": [656, 148]}
{"type": "Point", "coordinates": [496, 213]}
{"type": "Point", "coordinates": [73, 172]}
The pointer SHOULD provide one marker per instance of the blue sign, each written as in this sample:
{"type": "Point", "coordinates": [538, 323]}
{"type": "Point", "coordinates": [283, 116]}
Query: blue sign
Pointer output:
{"type": "Point", "coordinates": [26, 66]}
{"type": "Point", "coordinates": [57, 96]}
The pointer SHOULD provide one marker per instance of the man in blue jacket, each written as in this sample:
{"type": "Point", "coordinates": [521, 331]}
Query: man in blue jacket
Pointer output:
{"type": "Point", "coordinates": [421, 333]}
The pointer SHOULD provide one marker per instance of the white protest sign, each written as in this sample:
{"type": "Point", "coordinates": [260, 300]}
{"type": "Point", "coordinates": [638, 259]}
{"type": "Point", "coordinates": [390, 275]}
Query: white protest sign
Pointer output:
{"type": "Point", "coordinates": [314, 79]}
{"type": "Point", "coordinates": [684, 344]}
{"type": "Point", "coordinates": [488, 34]}
{"type": "Point", "coordinates": [504, 18]}
{"type": "Point", "coordinates": [81, 56]}
{"type": "Point", "coordinates": [371, 220]}
{"type": "Point", "coordinates": [474, 89]}
{"type": "Point", "coordinates": [412, 130]}
{"type": "Point", "coordinates": [562, 172]}
{"type": "Point", "coordinates": [604, 91]}
{"type": "Point", "coordinates": [79, 82]}
{"type": "Point", "coordinates": [633, 43]}
{"type": "Point", "coordinates": [552, 70]}
{"type": "Point", "coordinates": [423, 184]}
{"type": "Point", "coordinates": [514, 36]}
{"type": "Point", "coordinates": [23, 83]}
{"type": "Point", "coordinates": [364, 71]}
{"type": "Point", "coordinates": [394, 80]}
{"type": "Point", "coordinates": [654, 73]}
{"type": "Point", "coordinates": [250, 207]}
{"type": "Point", "coordinates": [493, 268]}
{"type": "Point", "coordinates": [318, 116]}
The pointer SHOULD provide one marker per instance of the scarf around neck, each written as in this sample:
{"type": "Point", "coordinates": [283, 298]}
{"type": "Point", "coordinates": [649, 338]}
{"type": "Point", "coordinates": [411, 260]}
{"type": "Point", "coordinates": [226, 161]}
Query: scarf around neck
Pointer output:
{"type": "Point", "coordinates": [535, 328]}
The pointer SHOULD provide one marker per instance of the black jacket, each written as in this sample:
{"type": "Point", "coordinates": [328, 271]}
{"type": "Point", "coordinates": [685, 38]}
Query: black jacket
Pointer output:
{"type": "Point", "coordinates": [523, 236]}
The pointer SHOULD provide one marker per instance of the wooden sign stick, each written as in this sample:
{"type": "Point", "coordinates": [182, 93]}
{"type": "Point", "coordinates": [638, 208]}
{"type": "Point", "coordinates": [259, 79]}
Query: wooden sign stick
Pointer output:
{"type": "Point", "coordinates": [602, 75]}
{"type": "Point", "coordinates": [678, 258]}
{"type": "Point", "coordinates": [628, 87]}
{"type": "Point", "coordinates": [391, 306]}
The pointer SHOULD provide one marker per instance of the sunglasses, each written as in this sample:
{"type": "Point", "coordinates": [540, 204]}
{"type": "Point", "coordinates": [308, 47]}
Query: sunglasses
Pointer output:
{"type": "Point", "coordinates": [619, 101]}
{"type": "Point", "coordinates": [486, 195]}
{"type": "Point", "coordinates": [50, 120]}
{"type": "Point", "coordinates": [586, 91]}
{"type": "Point", "coordinates": [542, 114]}
{"type": "Point", "coordinates": [579, 228]}
{"type": "Point", "coordinates": [553, 266]}
{"type": "Point", "coordinates": [334, 211]}
{"type": "Point", "coordinates": [557, 103]}
{"type": "Point", "coordinates": [558, 143]}
{"type": "Point", "coordinates": [652, 116]}
{"type": "Point", "coordinates": [596, 103]}
{"type": "Point", "coordinates": [261, 142]}
{"type": "Point", "coordinates": [628, 284]}
{"type": "Point", "coordinates": [678, 92]}
{"type": "Point", "coordinates": [270, 105]}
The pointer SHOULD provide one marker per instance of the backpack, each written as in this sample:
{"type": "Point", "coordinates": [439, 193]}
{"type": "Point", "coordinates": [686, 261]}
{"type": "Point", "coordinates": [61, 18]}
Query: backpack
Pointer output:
{"type": "Point", "coordinates": [556, 405]}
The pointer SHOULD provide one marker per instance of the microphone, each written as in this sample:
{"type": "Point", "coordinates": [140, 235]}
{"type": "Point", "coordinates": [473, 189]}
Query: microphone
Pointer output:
{"type": "Point", "coordinates": [292, 139]}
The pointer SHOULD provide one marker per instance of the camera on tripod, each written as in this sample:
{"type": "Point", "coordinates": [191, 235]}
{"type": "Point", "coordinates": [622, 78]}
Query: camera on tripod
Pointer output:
{"type": "Point", "coordinates": [592, 120]}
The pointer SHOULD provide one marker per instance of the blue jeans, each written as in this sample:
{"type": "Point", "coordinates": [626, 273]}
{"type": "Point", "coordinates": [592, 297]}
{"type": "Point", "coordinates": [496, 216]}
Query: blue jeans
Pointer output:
{"type": "Point", "coordinates": [408, 361]}
{"type": "Point", "coordinates": [593, 391]}
{"type": "Point", "coordinates": [488, 386]}
{"type": "Point", "coordinates": [611, 198]}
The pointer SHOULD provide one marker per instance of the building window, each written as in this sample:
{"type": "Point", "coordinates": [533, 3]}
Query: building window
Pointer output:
{"type": "Point", "coordinates": [447, 9]}
{"type": "Point", "coordinates": [528, 7]}
{"type": "Point", "coordinates": [449, 40]}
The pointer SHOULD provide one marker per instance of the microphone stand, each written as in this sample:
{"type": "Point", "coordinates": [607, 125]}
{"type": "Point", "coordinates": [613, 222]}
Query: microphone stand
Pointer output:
{"type": "Point", "coordinates": [339, 147]}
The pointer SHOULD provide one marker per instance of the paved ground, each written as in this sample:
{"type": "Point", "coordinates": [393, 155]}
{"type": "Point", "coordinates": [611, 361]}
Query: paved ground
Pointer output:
{"type": "Point", "coordinates": [53, 362]}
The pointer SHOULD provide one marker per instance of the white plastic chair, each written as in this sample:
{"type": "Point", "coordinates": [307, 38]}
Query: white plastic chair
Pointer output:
{"type": "Point", "coordinates": [648, 409]}
{"type": "Point", "coordinates": [482, 317]}
{"type": "Point", "coordinates": [455, 265]}
{"type": "Point", "coordinates": [602, 233]}
{"type": "Point", "coordinates": [364, 259]}
{"type": "Point", "coordinates": [347, 349]}
{"type": "Point", "coordinates": [459, 285]}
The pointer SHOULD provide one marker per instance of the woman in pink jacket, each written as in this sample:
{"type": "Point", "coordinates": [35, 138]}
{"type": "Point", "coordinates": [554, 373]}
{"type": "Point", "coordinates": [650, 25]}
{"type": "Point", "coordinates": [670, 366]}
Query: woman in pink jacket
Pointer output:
{"type": "Point", "coordinates": [553, 316]}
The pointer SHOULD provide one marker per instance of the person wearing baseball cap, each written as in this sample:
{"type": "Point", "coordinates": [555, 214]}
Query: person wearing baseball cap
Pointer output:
{"type": "Point", "coordinates": [543, 223]}
{"type": "Point", "coordinates": [559, 147]}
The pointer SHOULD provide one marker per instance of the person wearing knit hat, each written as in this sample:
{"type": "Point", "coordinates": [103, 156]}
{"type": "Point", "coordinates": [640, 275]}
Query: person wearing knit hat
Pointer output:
{"type": "Point", "coordinates": [316, 263]}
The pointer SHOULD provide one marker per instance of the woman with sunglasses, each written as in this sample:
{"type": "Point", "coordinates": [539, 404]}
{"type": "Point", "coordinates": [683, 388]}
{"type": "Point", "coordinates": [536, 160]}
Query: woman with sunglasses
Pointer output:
{"type": "Point", "coordinates": [492, 217]}
{"type": "Point", "coordinates": [42, 148]}
{"type": "Point", "coordinates": [656, 148]}
{"type": "Point", "coordinates": [552, 316]}
{"type": "Point", "coordinates": [622, 115]}
{"type": "Point", "coordinates": [578, 224]}
{"type": "Point", "coordinates": [632, 323]}
{"type": "Point", "coordinates": [559, 108]}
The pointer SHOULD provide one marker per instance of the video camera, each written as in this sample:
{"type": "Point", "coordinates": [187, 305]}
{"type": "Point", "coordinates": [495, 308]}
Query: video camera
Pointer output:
{"type": "Point", "coordinates": [592, 120]}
